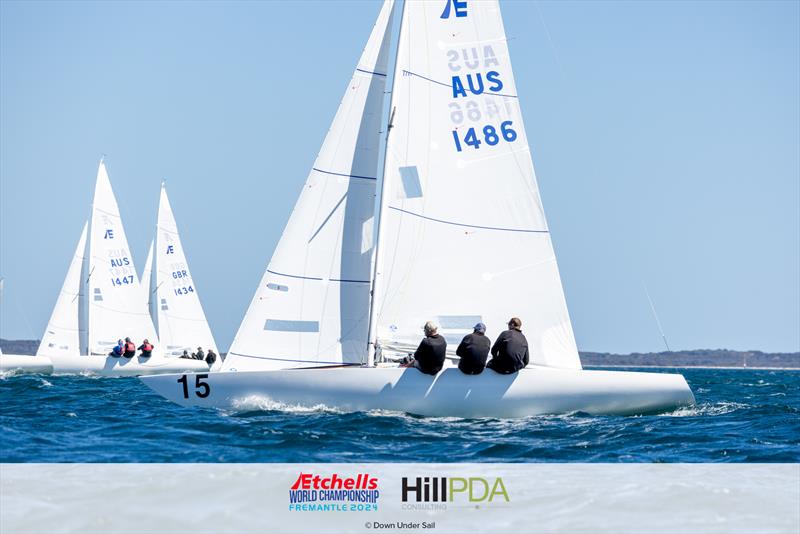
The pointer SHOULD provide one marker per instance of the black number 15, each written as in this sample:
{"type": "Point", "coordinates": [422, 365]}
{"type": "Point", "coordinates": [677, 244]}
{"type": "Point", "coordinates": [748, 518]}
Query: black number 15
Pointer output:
{"type": "Point", "coordinates": [202, 389]}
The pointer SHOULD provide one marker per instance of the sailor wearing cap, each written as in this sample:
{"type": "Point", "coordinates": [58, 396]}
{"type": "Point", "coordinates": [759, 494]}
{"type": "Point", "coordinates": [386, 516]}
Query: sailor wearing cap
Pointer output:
{"type": "Point", "coordinates": [510, 351]}
{"type": "Point", "coordinates": [473, 350]}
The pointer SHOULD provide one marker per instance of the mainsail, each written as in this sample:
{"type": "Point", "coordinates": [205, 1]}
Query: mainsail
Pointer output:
{"type": "Point", "coordinates": [463, 235]}
{"type": "Point", "coordinates": [174, 301]}
{"type": "Point", "coordinates": [62, 337]}
{"type": "Point", "coordinates": [312, 305]}
{"type": "Point", "coordinates": [114, 296]}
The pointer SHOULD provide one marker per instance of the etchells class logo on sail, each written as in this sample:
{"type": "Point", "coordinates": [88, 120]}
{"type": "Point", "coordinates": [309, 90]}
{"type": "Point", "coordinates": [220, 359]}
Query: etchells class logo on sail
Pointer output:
{"type": "Point", "coordinates": [456, 7]}
{"type": "Point", "coordinates": [334, 493]}
{"type": "Point", "coordinates": [434, 493]}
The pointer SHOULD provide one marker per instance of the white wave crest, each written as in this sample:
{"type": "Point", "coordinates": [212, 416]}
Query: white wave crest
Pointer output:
{"type": "Point", "coordinates": [720, 408]}
{"type": "Point", "coordinates": [255, 403]}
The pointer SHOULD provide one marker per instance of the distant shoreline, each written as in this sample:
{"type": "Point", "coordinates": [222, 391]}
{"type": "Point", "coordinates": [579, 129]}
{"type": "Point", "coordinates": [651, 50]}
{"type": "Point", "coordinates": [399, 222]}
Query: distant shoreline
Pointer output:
{"type": "Point", "coordinates": [681, 359]}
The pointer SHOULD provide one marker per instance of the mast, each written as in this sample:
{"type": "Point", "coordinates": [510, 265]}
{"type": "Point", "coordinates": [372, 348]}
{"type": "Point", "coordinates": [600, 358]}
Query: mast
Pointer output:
{"type": "Point", "coordinates": [372, 335]}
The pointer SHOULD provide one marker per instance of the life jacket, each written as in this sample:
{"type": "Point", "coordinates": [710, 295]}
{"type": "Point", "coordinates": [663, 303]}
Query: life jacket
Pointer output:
{"type": "Point", "coordinates": [147, 347]}
{"type": "Point", "coordinates": [130, 347]}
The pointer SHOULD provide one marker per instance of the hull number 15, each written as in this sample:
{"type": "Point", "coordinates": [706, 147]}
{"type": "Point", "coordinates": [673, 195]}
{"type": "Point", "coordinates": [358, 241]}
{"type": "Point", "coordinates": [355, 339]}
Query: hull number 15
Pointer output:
{"type": "Point", "coordinates": [201, 389]}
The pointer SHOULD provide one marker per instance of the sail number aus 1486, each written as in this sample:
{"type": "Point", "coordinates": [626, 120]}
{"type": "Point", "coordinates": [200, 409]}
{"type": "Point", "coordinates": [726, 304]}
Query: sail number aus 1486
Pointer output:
{"type": "Point", "coordinates": [490, 136]}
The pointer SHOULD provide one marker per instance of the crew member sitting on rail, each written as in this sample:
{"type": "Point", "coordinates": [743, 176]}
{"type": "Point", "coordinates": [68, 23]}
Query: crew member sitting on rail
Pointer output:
{"type": "Point", "coordinates": [199, 355]}
{"type": "Point", "coordinates": [211, 357]}
{"type": "Point", "coordinates": [474, 349]}
{"type": "Point", "coordinates": [130, 348]}
{"type": "Point", "coordinates": [146, 348]}
{"type": "Point", "coordinates": [117, 351]}
{"type": "Point", "coordinates": [429, 357]}
{"type": "Point", "coordinates": [510, 351]}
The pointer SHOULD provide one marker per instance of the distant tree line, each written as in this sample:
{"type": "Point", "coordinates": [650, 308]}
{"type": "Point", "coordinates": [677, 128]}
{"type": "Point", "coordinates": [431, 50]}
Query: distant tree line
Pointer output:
{"type": "Point", "coordinates": [695, 358]}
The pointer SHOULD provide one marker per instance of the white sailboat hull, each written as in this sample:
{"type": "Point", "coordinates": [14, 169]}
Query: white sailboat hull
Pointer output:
{"type": "Point", "coordinates": [136, 366]}
{"type": "Point", "coordinates": [532, 391]}
{"type": "Point", "coordinates": [25, 363]}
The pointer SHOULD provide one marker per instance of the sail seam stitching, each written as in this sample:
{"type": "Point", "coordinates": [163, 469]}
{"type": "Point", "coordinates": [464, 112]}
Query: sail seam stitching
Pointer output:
{"type": "Point", "coordinates": [319, 279]}
{"type": "Point", "coordinates": [345, 175]}
{"type": "Point", "coordinates": [470, 225]}
{"type": "Point", "coordinates": [371, 72]}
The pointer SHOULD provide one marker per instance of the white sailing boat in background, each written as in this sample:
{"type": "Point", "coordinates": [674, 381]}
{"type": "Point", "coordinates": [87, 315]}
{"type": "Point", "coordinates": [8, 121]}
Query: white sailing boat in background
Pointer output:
{"type": "Point", "coordinates": [174, 302]}
{"type": "Point", "coordinates": [101, 301]}
{"type": "Point", "coordinates": [462, 238]}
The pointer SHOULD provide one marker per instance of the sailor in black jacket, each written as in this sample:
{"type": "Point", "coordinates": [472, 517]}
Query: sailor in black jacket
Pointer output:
{"type": "Point", "coordinates": [510, 351]}
{"type": "Point", "coordinates": [430, 355]}
{"type": "Point", "coordinates": [474, 349]}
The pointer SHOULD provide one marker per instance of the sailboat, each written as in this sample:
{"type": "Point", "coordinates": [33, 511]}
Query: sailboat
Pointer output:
{"type": "Point", "coordinates": [101, 301]}
{"type": "Point", "coordinates": [25, 363]}
{"type": "Point", "coordinates": [461, 238]}
{"type": "Point", "coordinates": [173, 299]}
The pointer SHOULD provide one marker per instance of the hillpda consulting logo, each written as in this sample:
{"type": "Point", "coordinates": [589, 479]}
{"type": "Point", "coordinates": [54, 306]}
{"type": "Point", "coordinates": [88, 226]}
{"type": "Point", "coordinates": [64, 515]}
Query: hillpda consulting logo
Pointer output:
{"type": "Point", "coordinates": [334, 493]}
{"type": "Point", "coordinates": [433, 493]}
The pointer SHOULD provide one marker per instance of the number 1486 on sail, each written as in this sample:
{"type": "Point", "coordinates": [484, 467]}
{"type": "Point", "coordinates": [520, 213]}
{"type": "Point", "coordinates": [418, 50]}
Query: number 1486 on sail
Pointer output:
{"type": "Point", "coordinates": [490, 136]}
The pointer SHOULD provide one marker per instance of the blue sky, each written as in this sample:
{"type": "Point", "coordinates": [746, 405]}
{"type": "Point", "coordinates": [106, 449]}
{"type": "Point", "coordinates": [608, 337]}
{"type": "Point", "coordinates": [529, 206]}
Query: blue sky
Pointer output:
{"type": "Point", "coordinates": [665, 135]}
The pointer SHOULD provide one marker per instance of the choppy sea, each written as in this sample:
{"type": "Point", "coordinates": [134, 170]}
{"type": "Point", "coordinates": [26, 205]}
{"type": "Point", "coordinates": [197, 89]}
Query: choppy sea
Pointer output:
{"type": "Point", "coordinates": [740, 416]}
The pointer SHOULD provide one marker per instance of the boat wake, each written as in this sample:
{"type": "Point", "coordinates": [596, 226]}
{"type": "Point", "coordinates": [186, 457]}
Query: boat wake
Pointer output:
{"type": "Point", "coordinates": [719, 408]}
{"type": "Point", "coordinates": [259, 403]}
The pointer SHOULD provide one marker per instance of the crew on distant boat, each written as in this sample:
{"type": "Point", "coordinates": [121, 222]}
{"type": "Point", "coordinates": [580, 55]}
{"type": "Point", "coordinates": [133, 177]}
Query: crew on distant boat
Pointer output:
{"type": "Point", "coordinates": [430, 355]}
{"type": "Point", "coordinates": [186, 355]}
{"type": "Point", "coordinates": [199, 355]}
{"type": "Point", "coordinates": [130, 348]}
{"type": "Point", "coordinates": [510, 351]}
{"type": "Point", "coordinates": [117, 351]}
{"type": "Point", "coordinates": [211, 357]}
{"type": "Point", "coordinates": [146, 348]}
{"type": "Point", "coordinates": [473, 350]}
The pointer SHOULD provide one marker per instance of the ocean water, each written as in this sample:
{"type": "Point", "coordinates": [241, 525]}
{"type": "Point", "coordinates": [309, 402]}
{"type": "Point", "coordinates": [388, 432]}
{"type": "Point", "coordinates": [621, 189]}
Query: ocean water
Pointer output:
{"type": "Point", "coordinates": [741, 416]}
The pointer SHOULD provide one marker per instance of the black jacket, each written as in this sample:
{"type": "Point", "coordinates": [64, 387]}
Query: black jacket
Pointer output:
{"type": "Point", "coordinates": [474, 349]}
{"type": "Point", "coordinates": [509, 352]}
{"type": "Point", "coordinates": [430, 354]}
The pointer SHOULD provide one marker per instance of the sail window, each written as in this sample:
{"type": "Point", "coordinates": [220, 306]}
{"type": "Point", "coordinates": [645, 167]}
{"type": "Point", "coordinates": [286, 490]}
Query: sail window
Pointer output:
{"type": "Point", "coordinates": [279, 325]}
{"type": "Point", "coordinates": [459, 322]}
{"type": "Point", "coordinates": [412, 187]}
{"type": "Point", "coordinates": [277, 287]}
{"type": "Point", "coordinates": [164, 305]}
{"type": "Point", "coordinates": [97, 295]}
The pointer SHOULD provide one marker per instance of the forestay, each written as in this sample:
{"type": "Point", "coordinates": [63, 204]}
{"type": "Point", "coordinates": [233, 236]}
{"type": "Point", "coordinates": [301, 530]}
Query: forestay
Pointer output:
{"type": "Point", "coordinates": [463, 233]}
{"type": "Point", "coordinates": [174, 302]}
{"type": "Point", "coordinates": [63, 334]}
{"type": "Point", "coordinates": [311, 307]}
{"type": "Point", "coordinates": [114, 296]}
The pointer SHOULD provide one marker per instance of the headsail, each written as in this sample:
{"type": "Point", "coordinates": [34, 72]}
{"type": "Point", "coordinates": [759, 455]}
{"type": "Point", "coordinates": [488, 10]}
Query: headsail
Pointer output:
{"type": "Point", "coordinates": [62, 337]}
{"type": "Point", "coordinates": [311, 307]}
{"type": "Point", "coordinates": [175, 305]}
{"type": "Point", "coordinates": [463, 233]}
{"type": "Point", "coordinates": [115, 306]}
